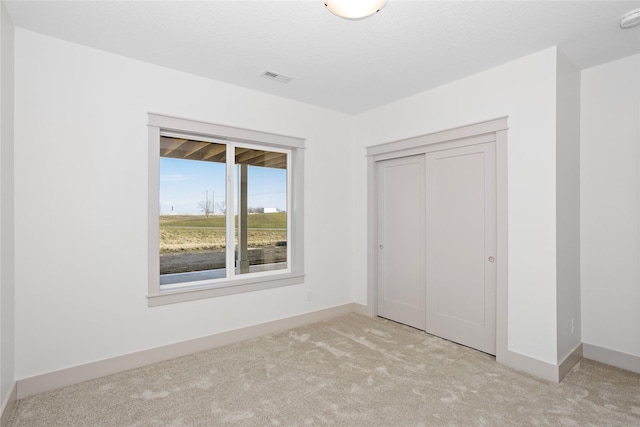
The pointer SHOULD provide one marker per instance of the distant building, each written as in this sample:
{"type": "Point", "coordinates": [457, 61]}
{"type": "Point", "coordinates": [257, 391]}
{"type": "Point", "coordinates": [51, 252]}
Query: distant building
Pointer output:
{"type": "Point", "coordinates": [270, 210]}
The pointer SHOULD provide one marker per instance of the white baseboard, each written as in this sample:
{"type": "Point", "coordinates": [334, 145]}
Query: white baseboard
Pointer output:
{"type": "Point", "coordinates": [612, 357]}
{"type": "Point", "coordinates": [570, 361]}
{"type": "Point", "coordinates": [77, 374]}
{"type": "Point", "coordinates": [7, 406]}
{"type": "Point", "coordinates": [363, 310]}
{"type": "Point", "coordinates": [541, 369]}
{"type": "Point", "coordinates": [535, 367]}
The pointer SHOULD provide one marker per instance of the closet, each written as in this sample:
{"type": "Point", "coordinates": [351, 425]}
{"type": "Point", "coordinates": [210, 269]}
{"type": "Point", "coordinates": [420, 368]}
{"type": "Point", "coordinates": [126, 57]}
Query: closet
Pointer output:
{"type": "Point", "coordinates": [434, 234]}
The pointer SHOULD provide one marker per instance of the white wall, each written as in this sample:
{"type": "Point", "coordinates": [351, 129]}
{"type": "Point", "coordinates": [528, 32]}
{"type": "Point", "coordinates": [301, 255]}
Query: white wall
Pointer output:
{"type": "Point", "coordinates": [7, 254]}
{"type": "Point", "coordinates": [81, 191]}
{"type": "Point", "coordinates": [610, 205]}
{"type": "Point", "coordinates": [80, 200]}
{"type": "Point", "coordinates": [568, 206]}
{"type": "Point", "coordinates": [524, 90]}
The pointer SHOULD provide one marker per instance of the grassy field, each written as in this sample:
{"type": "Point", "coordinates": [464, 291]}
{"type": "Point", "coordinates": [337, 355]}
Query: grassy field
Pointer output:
{"type": "Point", "coordinates": [179, 233]}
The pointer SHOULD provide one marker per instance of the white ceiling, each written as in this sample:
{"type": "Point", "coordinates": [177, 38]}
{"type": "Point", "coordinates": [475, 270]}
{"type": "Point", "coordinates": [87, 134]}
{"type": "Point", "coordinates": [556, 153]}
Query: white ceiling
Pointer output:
{"type": "Point", "coordinates": [348, 66]}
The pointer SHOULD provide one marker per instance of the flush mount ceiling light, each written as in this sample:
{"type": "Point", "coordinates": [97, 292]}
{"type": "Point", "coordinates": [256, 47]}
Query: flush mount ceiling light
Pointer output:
{"type": "Point", "coordinates": [354, 9]}
{"type": "Point", "coordinates": [630, 19]}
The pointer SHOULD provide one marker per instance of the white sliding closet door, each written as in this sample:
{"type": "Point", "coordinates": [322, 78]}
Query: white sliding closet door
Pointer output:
{"type": "Point", "coordinates": [461, 245]}
{"type": "Point", "coordinates": [401, 244]}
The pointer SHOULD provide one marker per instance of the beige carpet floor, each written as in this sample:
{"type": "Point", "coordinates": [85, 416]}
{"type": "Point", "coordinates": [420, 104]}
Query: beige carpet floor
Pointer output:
{"type": "Point", "coordinates": [350, 371]}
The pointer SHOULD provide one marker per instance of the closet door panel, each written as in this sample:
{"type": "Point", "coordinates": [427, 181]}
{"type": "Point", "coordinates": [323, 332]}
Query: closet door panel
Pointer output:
{"type": "Point", "coordinates": [460, 241]}
{"type": "Point", "coordinates": [401, 243]}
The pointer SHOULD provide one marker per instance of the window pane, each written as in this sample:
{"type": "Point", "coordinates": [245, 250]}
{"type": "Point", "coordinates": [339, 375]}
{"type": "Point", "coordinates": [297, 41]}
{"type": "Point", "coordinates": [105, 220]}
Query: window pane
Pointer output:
{"type": "Point", "coordinates": [261, 211]}
{"type": "Point", "coordinates": [192, 210]}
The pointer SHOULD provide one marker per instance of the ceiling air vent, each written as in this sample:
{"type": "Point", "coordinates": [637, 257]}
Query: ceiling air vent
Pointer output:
{"type": "Point", "coordinates": [276, 77]}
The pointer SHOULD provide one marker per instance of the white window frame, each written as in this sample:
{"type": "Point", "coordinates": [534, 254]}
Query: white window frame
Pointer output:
{"type": "Point", "coordinates": [234, 137]}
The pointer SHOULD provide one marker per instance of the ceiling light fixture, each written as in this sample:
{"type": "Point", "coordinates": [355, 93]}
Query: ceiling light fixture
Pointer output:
{"type": "Point", "coordinates": [354, 9]}
{"type": "Point", "coordinates": [630, 19]}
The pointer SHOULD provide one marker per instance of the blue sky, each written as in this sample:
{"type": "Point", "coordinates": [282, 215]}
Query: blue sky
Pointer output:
{"type": "Point", "coordinates": [184, 183]}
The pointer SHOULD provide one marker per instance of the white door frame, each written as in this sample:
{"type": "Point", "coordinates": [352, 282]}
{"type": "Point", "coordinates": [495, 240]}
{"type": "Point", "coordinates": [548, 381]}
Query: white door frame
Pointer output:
{"type": "Point", "coordinates": [492, 130]}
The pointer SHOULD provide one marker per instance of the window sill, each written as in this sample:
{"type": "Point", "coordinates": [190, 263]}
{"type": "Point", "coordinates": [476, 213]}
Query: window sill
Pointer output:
{"type": "Point", "coordinates": [236, 286]}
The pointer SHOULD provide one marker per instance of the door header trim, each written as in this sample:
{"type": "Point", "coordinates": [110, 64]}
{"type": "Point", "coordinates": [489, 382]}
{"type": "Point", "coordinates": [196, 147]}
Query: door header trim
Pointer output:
{"type": "Point", "coordinates": [475, 129]}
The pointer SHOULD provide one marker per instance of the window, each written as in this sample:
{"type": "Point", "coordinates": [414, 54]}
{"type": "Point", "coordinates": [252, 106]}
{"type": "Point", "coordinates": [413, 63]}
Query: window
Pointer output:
{"type": "Point", "coordinates": [225, 210]}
